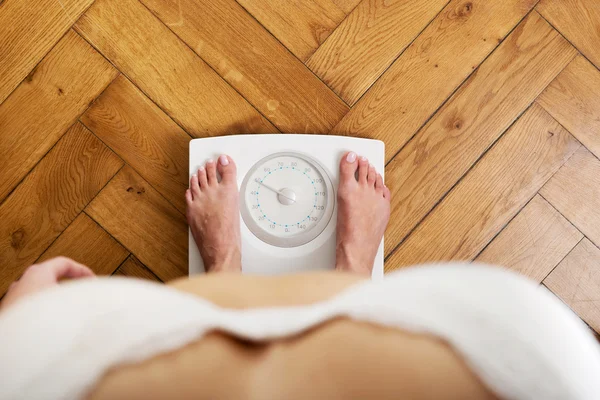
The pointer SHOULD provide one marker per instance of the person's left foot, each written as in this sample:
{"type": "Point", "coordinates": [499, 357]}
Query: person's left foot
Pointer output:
{"type": "Point", "coordinates": [213, 215]}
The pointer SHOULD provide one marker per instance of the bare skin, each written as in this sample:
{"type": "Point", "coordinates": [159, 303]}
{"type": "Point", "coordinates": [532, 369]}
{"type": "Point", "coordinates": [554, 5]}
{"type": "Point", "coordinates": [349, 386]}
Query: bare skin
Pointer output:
{"type": "Point", "coordinates": [317, 364]}
{"type": "Point", "coordinates": [363, 214]}
{"type": "Point", "coordinates": [212, 213]}
{"type": "Point", "coordinates": [341, 359]}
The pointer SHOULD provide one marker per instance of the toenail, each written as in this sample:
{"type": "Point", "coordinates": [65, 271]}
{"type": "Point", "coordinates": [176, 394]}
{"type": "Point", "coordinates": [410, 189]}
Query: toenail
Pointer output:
{"type": "Point", "coordinates": [194, 176]}
{"type": "Point", "coordinates": [201, 169]}
{"type": "Point", "coordinates": [363, 158]}
{"type": "Point", "coordinates": [209, 161]}
{"type": "Point", "coordinates": [351, 157]}
{"type": "Point", "coordinates": [224, 160]}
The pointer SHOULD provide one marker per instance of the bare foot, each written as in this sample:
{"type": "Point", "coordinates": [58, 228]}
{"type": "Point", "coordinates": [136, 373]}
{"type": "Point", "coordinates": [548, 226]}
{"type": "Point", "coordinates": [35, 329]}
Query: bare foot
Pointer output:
{"type": "Point", "coordinates": [213, 215]}
{"type": "Point", "coordinates": [363, 214]}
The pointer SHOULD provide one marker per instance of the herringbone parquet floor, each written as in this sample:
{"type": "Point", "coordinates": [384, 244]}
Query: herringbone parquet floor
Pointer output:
{"type": "Point", "coordinates": [490, 111]}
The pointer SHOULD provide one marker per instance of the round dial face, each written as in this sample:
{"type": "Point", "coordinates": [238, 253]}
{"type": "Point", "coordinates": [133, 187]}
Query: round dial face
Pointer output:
{"type": "Point", "coordinates": [287, 199]}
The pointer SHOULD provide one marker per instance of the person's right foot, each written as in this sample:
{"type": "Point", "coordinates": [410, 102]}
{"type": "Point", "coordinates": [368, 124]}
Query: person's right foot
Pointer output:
{"type": "Point", "coordinates": [363, 214]}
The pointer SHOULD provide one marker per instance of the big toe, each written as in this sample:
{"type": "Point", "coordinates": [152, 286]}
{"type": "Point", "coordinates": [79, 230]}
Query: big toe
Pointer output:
{"type": "Point", "coordinates": [348, 167]}
{"type": "Point", "coordinates": [227, 169]}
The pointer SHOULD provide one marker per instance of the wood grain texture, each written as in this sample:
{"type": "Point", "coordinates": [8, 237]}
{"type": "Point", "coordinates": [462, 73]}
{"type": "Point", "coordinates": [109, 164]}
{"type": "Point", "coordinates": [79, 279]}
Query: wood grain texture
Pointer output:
{"type": "Point", "coordinates": [576, 280]}
{"type": "Point", "coordinates": [144, 136]}
{"type": "Point", "coordinates": [182, 68]}
{"type": "Point", "coordinates": [491, 194]}
{"type": "Point", "coordinates": [300, 25]}
{"type": "Point", "coordinates": [346, 5]}
{"type": "Point", "coordinates": [578, 21]}
{"type": "Point", "coordinates": [430, 69]}
{"type": "Point", "coordinates": [133, 268]}
{"type": "Point", "coordinates": [87, 243]}
{"type": "Point", "coordinates": [251, 60]}
{"type": "Point", "coordinates": [573, 99]}
{"type": "Point", "coordinates": [28, 32]}
{"type": "Point", "coordinates": [50, 198]}
{"type": "Point", "coordinates": [368, 41]}
{"type": "Point", "coordinates": [46, 104]}
{"type": "Point", "coordinates": [480, 111]}
{"type": "Point", "coordinates": [144, 222]}
{"type": "Point", "coordinates": [575, 192]}
{"type": "Point", "coordinates": [167, 70]}
{"type": "Point", "coordinates": [534, 242]}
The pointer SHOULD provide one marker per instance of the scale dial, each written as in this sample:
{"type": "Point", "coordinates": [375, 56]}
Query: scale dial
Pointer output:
{"type": "Point", "coordinates": [287, 199]}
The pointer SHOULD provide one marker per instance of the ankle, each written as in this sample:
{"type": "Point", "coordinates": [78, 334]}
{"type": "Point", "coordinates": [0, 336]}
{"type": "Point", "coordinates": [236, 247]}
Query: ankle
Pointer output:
{"type": "Point", "coordinates": [229, 262]}
{"type": "Point", "coordinates": [345, 262]}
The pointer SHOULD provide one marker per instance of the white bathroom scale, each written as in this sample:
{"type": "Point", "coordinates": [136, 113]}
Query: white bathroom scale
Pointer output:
{"type": "Point", "coordinates": [288, 185]}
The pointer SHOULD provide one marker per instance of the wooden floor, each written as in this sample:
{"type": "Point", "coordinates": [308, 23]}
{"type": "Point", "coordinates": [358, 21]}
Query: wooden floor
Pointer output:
{"type": "Point", "coordinates": [490, 111]}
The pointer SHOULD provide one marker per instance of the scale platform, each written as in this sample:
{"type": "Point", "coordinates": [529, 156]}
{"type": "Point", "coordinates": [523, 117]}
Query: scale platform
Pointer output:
{"type": "Point", "coordinates": [288, 185]}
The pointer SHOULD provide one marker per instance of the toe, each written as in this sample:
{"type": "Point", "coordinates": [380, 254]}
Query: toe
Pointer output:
{"type": "Point", "coordinates": [372, 176]}
{"type": "Point", "coordinates": [188, 197]}
{"type": "Point", "coordinates": [363, 169]}
{"type": "Point", "coordinates": [226, 168]}
{"type": "Point", "coordinates": [348, 166]}
{"type": "Point", "coordinates": [202, 180]}
{"type": "Point", "coordinates": [211, 172]}
{"type": "Point", "coordinates": [379, 183]}
{"type": "Point", "coordinates": [194, 187]}
{"type": "Point", "coordinates": [386, 193]}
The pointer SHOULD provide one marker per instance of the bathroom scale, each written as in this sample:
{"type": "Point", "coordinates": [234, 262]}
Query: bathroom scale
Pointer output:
{"type": "Point", "coordinates": [288, 185]}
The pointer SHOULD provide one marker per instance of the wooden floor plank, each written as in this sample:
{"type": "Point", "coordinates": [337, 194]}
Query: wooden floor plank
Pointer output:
{"type": "Point", "coordinates": [133, 268]}
{"type": "Point", "coordinates": [578, 21]}
{"type": "Point", "coordinates": [480, 111]}
{"type": "Point", "coordinates": [144, 136]}
{"type": "Point", "coordinates": [28, 32]}
{"type": "Point", "coordinates": [300, 25]}
{"type": "Point", "coordinates": [144, 222]}
{"type": "Point", "coordinates": [430, 69]}
{"type": "Point", "coordinates": [196, 69]}
{"type": "Point", "coordinates": [573, 99]}
{"type": "Point", "coordinates": [346, 5]}
{"type": "Point", "coordinates": [46, 104]}
{"type": "Point", "coordinates": [168, 71]}
{"type": "Point", "coordinates": [534, 242]}
{"type": "Point", "coordinates": [491, 194]}
{"type": "Point", "coordinates": [87, 243]}
{"type": "Point", "coordinates": [575, 192]}
{"type": "Point", "coordinates": [576, 280]}
{"type": "Point", "coordinates": [50, 198]}
{"type": "Point", "coordinates": [369, 40]}
{"type": "Point", "coordinates": [251, 60]}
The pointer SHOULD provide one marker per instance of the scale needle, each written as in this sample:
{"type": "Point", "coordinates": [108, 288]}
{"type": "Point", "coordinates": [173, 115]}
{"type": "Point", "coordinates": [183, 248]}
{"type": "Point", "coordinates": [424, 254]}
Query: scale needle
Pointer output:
{"type": "Point", "coordinates": [280, 192]}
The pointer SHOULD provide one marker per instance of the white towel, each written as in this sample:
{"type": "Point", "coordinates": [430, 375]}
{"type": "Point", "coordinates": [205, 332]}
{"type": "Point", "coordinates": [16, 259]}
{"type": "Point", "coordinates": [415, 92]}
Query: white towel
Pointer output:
{"type": "Point", "coordinates": [521, 341]}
